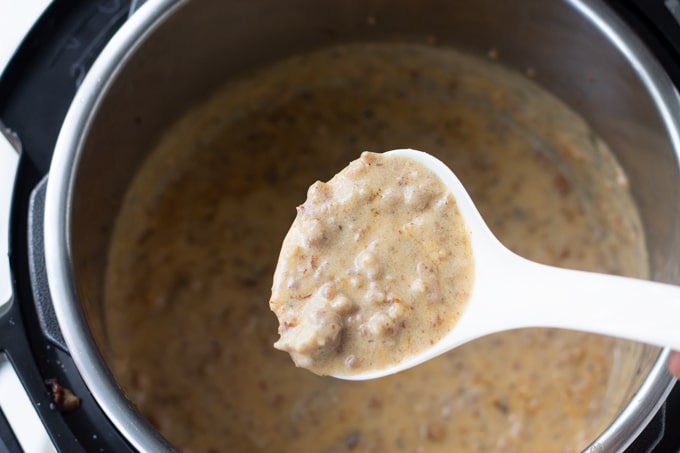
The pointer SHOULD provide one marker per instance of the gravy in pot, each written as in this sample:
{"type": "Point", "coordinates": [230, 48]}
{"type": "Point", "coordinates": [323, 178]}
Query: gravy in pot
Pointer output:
{"type": "Point", "coordinates": [197, 239]}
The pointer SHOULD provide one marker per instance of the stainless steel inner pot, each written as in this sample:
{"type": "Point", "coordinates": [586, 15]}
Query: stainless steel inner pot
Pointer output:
{"type": "Point", "coordinates": [173, 53]}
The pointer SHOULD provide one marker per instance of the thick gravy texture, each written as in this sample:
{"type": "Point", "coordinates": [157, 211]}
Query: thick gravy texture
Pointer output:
{"type": "Point", "coordinates": [376, 268]}
{"type": "Point", "coordinates": [194, 249]}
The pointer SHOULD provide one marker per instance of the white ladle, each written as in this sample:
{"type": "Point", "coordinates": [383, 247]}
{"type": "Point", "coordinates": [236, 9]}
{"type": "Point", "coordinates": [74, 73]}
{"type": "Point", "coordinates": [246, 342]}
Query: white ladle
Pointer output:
{"type": "Point", "coordinates": [510, 292]}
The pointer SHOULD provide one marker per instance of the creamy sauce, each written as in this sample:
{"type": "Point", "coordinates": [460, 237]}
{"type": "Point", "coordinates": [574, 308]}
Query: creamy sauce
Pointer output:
{"type": "Point", "coordinates": [376, 268]}
{"type": "Point", "coordinates": [197, 239]}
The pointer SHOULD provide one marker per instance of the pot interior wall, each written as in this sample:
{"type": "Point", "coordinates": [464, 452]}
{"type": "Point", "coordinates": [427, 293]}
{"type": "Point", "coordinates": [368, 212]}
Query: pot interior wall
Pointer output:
{"type": "Point", "coordinates": [203, 44]}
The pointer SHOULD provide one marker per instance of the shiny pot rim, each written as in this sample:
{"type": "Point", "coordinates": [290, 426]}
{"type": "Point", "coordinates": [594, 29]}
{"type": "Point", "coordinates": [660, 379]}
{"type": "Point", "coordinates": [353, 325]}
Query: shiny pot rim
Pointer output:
{"type": "Point", "coordinates": [625, 428]}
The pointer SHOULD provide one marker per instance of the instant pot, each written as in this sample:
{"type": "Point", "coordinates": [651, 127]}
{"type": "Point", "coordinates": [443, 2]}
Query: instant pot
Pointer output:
{"type": "Point", "coordinates": [94, 83]}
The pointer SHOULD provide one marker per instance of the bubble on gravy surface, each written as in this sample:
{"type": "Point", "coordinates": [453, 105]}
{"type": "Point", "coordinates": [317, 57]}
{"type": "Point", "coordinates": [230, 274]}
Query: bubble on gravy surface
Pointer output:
{"type": "Point", "coordinates": [198, 235]}
{"type": "Point", "coordinates": [376, 268]}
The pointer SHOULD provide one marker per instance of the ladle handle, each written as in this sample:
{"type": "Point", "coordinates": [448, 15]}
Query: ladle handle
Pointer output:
{"type": "Point", "coordinates": [546, 296]}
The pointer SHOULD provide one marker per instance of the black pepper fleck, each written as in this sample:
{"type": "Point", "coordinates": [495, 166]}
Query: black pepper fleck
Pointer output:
{"type": "Point", "coordinates": [352, 440]}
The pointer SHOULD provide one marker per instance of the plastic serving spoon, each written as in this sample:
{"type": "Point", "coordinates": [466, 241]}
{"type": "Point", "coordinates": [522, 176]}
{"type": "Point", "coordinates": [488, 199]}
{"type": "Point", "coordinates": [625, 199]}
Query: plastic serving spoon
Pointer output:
{"type": "Point", "coordinates": [511, 292]}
